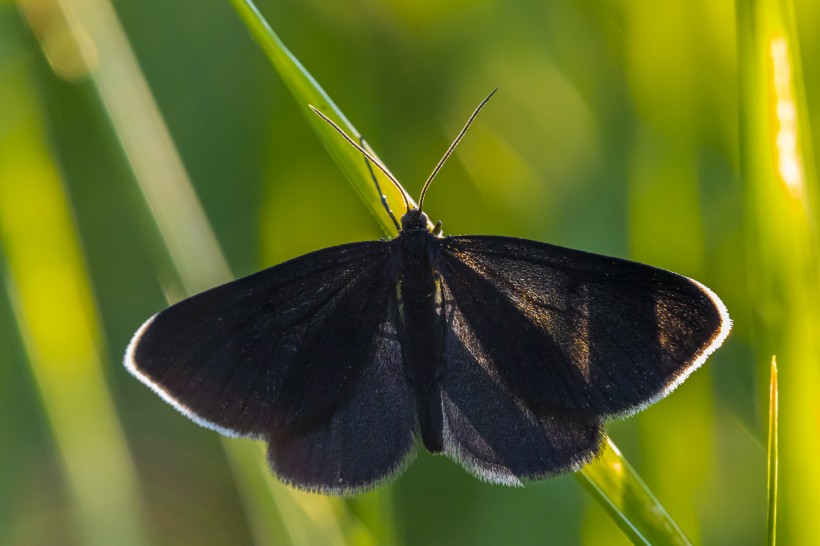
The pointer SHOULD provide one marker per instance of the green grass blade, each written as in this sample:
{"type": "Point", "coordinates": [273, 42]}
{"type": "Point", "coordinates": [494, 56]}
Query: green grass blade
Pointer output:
{"type": "Point", "coordinates": [301, 519]}
{"type": "Point", "coordinates": [182, 223]}
{"type": "Point", "coordinates": [613, 482]}
{"type": "Point", "coordinates": [638, 518]}
{"type": "Point", "coordinates": [48, 282]}
{"type": "Point", "coordinates": [307, 91]}
{"type": "Point", "coordinates": [773, 462]}
{"type": "Point", "coordinates": [781, 202]}
{"type": "Point", "coordinates": [375, 509]}
{"type": "Point", "coordinates": [147, 144]}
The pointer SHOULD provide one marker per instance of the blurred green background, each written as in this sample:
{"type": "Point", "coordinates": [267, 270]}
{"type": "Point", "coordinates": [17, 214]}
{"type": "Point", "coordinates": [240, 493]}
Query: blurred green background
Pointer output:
{"type": "Point", "coordinates": [654, 131]}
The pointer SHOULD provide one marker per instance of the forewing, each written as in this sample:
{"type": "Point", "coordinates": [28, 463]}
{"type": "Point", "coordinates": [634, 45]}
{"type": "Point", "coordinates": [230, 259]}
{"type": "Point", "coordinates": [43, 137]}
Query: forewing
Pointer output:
{"type": "Point", "coordinates": [488, 429]}
{"type": "Point", "coordinates": [276, 347]}
{"type": "Point", "coordinates": [572, 333]}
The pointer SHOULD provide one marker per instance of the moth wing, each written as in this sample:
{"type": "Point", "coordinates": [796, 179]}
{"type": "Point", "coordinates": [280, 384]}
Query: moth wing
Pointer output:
{"type": "Point", "coordinates": [488, 429]}
{"type": "Point", "coordinates": [577, 334]}
{"type": "Point", "coordinates": [302, 354]}
{"type": "Point", "coordinates": [371, 436]}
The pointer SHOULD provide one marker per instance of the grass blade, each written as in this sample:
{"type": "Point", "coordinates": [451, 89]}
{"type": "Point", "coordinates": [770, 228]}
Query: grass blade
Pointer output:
{"type": "Point", "coordinates": [182, 223]}
{"type": "Point", "coordinates": [782, 197]}
{"type": "Point", "coordinates": [45, 274]}
{"type": "Point", "coordinates": [307, 91]}
{"type": "Point", "coordinates": [773, 462]}
{"type": "Point", "coordinates": [613, 482]}
{"type": "Point", "coordinates": [611, 479]}
{"type": "Point", "coordinates": [375, 508]}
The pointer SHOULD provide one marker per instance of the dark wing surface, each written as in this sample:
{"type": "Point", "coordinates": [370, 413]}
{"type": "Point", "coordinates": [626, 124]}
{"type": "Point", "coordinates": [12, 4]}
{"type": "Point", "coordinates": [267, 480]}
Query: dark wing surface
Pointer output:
{"type": "Point", "coordinates": [487, 428]}
{"type": "Point", "coordinates": [567, 333]}
{"type": "Point", "coordinates": [304, 355]}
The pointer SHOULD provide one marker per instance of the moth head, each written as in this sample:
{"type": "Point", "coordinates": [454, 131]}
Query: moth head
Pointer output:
{"type": "Point", "coordinates": [414, 219]}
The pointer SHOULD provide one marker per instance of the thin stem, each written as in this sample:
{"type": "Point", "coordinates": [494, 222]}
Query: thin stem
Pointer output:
{"type": "Point", "coordinates": [773, 455]}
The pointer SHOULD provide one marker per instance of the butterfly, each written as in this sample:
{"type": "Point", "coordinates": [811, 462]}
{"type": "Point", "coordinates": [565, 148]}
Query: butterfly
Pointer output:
{"type": "Point", "coordinates": [504, 354]}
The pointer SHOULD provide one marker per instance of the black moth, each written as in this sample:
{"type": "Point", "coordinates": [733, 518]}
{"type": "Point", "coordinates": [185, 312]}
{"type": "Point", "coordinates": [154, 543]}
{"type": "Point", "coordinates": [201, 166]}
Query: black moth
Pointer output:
{"type": "Point", "coordinates": [504, 354]}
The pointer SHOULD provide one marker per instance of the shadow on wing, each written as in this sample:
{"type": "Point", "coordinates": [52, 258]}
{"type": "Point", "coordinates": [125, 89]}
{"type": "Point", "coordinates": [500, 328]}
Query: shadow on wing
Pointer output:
{"type": "Point", "coordinates": [489, 430]}
{"type": "Point", "coordinates": [575, 333]}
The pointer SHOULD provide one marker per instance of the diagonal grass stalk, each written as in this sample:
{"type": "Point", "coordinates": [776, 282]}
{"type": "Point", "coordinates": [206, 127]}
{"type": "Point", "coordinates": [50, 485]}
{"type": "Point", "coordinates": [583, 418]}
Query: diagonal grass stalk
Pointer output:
{"type": "Point", "coordinates": [46, 276]}
{"type": "Point", "coordinates": [613, 482]}
{"type": "Point", "coordinates": [307, 91]}
{"type": "Point", "coordinates": [189, 240]}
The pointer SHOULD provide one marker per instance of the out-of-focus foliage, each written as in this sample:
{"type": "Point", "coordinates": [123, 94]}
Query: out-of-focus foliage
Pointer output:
{"type": "Point", "coordinates": [651, 131]}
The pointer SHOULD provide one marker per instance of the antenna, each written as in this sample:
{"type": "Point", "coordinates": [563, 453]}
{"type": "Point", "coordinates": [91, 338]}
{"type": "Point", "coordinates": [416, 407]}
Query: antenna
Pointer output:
{"type": "Point", "coordinates": [367, 155]}
{"type": "Point", "coordinates": [452, 147]}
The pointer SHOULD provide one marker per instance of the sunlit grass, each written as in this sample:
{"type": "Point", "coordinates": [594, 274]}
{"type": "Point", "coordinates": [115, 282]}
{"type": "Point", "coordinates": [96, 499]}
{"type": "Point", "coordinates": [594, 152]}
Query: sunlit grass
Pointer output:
{"type": "Point", "coordinates": [772, 457]}
{"type": "Point", "coordinates": [785, 280]}
{"type": "Point", "coordinates": [55, 311]}
{"type": "Point", "coordinates": [309, 93]}
{"type": "Point", "coordinates": [189, 240]}
{"type": "Point", "coordinates": [614, 482]}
